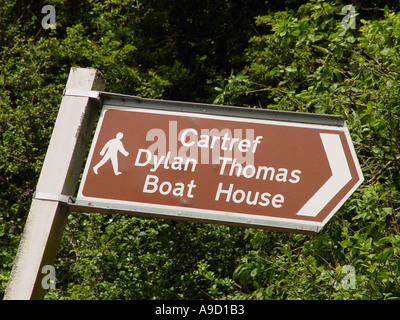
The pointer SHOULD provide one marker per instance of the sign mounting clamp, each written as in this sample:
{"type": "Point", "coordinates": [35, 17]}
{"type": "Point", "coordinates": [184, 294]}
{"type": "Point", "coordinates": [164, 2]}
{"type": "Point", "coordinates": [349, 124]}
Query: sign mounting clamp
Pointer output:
{"type": "Point", "coordinates": [82, 93]}
{"type": "Point", "coordinates": [53, 197]}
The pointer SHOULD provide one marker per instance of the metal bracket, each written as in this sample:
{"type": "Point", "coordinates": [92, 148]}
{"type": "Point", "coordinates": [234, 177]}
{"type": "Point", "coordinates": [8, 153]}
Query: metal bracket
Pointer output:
{"type": "Point", "coordinates": [81, 93]}
{"type": "Point", "coordinates": [53, 197]}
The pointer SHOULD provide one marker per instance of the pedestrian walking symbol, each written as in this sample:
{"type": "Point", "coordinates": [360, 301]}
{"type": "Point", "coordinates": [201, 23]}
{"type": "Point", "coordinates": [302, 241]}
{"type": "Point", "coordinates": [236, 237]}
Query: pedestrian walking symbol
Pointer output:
{"type": "Point", "coordinates": [110, 152]}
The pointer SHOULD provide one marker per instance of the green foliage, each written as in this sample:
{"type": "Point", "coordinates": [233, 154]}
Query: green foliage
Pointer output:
{"type": "Point", "coordinates": [119, 257]}
{"type": "Point", "coordinates": [294, 55]}
{"type": "Point", "coordinates": [308, 62]}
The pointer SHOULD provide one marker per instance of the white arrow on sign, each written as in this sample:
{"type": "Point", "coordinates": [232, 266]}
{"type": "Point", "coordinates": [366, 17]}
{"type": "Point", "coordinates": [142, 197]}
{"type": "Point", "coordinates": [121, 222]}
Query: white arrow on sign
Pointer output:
{"type": "Point", "coordinates": [340, 176]}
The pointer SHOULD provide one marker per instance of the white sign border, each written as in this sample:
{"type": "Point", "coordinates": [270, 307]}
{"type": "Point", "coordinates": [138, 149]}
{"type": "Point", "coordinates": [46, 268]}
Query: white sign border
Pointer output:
{"type": "Point", "coordinates": [222, 217]}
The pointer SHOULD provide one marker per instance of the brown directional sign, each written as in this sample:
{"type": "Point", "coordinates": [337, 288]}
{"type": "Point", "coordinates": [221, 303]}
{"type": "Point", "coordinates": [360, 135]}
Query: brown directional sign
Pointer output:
{"type": "Point", "coordinates": [219, 168]}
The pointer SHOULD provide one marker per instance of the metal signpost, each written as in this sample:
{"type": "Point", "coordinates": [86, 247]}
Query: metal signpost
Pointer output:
{"type": "Point", "coordinates": [248, 167]}
{"type": "Point", "coordinates": [255, 168]}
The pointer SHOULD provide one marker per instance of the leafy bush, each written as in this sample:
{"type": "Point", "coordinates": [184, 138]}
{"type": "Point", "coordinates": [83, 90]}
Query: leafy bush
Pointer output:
{"type": "Point", "coordinates": [308, 62]}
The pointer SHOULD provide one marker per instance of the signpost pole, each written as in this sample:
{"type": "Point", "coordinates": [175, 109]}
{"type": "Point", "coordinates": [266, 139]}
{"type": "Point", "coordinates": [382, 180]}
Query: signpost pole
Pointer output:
{"type": "Point", "coordinates": [57, 182]}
